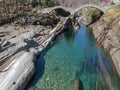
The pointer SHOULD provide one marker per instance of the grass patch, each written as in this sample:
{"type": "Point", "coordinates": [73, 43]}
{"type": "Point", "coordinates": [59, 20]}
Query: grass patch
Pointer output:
{"type": "Point", "coordinates": [118, 6]}
{"type": "Point", "coordinates": [95, 14]}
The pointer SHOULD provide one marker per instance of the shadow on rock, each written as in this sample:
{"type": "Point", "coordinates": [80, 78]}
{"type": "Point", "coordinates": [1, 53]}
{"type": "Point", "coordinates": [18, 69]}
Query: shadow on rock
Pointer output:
{"type": "Point", "coordinates": [40, 66]}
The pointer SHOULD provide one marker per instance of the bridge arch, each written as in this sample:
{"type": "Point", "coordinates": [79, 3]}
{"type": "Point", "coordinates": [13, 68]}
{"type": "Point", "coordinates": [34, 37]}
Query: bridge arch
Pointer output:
{"type": "Point", "coordinates": [89, 5]}
{"type": "Point", "coordinates": [101, 7]}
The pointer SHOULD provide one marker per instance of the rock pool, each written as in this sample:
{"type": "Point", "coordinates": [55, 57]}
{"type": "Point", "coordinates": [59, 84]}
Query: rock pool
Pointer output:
{"type": "Point", "coordinates": [75, 56]}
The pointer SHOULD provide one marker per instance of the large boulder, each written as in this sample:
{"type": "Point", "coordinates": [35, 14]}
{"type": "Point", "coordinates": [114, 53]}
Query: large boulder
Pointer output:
{"type": "Point", "coordinates": [46, 19]}
{"type": "Point", "coordinates": [18, 73]}
{"type": "Point", "coordinates": [88, 15]}
{"type": "Point", "coordinates": [107, 33]}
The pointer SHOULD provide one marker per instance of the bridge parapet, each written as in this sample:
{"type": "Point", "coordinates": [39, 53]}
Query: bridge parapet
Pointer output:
{"type": "Point", "coordinates": [103, 7]}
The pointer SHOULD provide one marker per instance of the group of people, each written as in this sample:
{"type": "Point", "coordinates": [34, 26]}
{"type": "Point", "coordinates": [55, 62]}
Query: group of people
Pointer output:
{"type": "Point", "coordinates": [107, 1]}
{"type": "Point", "coordinates": [112, 1]}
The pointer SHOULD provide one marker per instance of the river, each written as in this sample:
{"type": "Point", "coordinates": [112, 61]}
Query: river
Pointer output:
{"type": "Point", "coordinates": [75, 56]}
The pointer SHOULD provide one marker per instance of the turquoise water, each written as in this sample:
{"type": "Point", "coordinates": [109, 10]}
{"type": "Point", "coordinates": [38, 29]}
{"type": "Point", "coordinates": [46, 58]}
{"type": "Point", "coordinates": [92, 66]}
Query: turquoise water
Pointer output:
{"type": "Point", "coordinates": [75, 56]}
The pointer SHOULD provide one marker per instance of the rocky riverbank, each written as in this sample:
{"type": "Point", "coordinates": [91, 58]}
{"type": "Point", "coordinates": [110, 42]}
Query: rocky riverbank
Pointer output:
{"type": "Point", "coordinates": [107, 33]}
{"type": "Point", "coordinates": [21, 42]}
{"type": "Point", "coordinates": [89, 15]}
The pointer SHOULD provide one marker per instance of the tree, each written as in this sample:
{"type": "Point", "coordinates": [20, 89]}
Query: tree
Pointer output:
{"type": "Point", "coordinates": [34, 3]}
{"type": "Point", "coordinates": [40, 2]}
{"type": "Point", "coordinates": [5, 9]}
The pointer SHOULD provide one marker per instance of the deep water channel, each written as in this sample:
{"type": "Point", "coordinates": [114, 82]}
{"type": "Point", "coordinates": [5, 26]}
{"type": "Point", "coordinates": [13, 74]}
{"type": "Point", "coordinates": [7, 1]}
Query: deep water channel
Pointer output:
{"type": "Point", "coordinates": [75, 56]}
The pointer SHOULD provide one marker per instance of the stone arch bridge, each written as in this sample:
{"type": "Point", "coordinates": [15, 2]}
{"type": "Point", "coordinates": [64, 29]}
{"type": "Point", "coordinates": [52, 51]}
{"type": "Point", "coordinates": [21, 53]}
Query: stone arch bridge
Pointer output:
{"type": "Point", "coordinates": [102, 7]}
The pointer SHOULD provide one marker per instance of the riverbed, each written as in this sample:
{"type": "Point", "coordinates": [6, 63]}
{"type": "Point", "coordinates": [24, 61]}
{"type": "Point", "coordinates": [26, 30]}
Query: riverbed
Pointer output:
{"type": "Point", "coordinates": [75, 56]}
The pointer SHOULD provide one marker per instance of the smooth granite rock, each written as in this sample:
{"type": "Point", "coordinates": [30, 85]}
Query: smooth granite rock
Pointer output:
{"type": "Point", "coordinates": [18, 73]}
{"type": "Point", "coordinates": [17, 70]}
{"type": "Point", "coordinates": [107, 33]}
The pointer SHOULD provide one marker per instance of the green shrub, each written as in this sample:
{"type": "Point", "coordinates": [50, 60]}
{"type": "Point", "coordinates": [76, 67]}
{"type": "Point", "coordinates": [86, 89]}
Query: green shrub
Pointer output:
{"type": "Point", "coordinates": [95, 14]}
{"type": "Point", "coordinates": [40, 2]}
{"type": "Point", "coordinates": [34, 3]}
{"type": "Point", "coordinates": [118, 6]}
{"type": "Point", "coordinates": [49, 3]}
{"type": "Point", "coordinates": [45, 3]}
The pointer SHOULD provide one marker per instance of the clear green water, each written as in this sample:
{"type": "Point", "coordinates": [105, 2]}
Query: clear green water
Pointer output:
{"type": "Point", "coordinates": [75, 56]}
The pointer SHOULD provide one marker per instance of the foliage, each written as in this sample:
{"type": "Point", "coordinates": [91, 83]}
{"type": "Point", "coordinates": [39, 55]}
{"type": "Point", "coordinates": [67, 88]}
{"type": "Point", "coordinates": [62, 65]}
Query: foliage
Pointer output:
{"type": "Point", "coordinates": [49, 3]}
{"type": "Point", "coordinates": [43, 3]}
{"type": "Point", "coordinates": [34, 3]}
{"type": "Point", "coordinates": [40, 2]}
{"type": "Point", "coordinates": [95, 14]}
{"type": "Point", "coordinates": [118, 6]}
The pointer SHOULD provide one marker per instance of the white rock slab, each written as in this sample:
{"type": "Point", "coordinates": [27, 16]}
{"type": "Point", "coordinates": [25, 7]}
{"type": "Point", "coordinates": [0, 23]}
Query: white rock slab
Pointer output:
{"type": "Point", "coordinates": [18, 75]}
{"type": "Point", "coordinates": [21, 37]}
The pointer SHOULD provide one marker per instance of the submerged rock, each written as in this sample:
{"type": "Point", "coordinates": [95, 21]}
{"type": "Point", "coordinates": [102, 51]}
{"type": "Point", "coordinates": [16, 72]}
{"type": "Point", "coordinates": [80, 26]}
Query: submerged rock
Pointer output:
{"type": "Point", "coordinates": [77, 85]}
{"type": "Point", "coordinates": [56, 68]}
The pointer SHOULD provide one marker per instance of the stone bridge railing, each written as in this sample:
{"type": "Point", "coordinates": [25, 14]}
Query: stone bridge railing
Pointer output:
{"type": "Point", "coordinates": [102, 7]}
